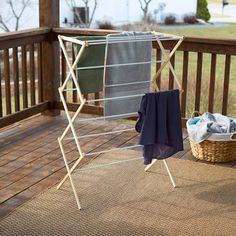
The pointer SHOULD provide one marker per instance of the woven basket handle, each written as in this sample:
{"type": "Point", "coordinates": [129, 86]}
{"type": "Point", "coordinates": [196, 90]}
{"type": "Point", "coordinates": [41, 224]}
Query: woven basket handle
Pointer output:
{"type": "Point", "coordinates": [195, 113]}
{"type": "Point", "coordinates": [233, 136]}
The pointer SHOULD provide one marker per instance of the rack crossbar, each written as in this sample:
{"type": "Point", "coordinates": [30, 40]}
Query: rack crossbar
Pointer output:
{"type": "Point", "coordinates": [118, 64]}
{"type": "Point", "coordinates": [111, 86]}
{"type": "Point", "coordinates": [132, 114]}
{"type": "Point", "coordinates": [69, 89]}
{"type": "Point", "coordinates": [99, 134]}
{"type": "Point", "coordinates": [114, 98]}
{"type": "Point", "coordinates": [112, 150]}
{"type": "Point", "coordinates": [125, 84]}
{"type": "Point", "coordinates": [124, 39]}
{"type": "Point", "coordinates": [110, 163]}
{"type": "Point", "coordinates": [130, 39]}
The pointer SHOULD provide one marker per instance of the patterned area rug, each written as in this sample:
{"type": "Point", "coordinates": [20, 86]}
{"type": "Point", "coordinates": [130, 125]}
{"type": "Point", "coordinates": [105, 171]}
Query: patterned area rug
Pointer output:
{"type": "Point", "coordinates": [122, 200]}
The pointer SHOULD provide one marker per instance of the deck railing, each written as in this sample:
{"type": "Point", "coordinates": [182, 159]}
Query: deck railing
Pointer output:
{"type": "Point", "coordinates": [21, 82]}
{"type": "Point", "coordinates": [205, 68]}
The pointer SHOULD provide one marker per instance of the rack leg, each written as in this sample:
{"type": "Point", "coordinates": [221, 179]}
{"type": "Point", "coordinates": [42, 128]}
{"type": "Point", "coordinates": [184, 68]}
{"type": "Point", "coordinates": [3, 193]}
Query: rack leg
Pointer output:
{"type": "Point", "coordinates": [168, 171]}
{"type": "Point", "coordinates": [69, 174]}
{"type": "Point", "coordinates": [150, 165]}
{"type": "Point", "coordinates": [167, 168]}
{"type": "Point", "coordinates": [70, 125]}
{"type": "Point", "coordinates": [71, 171]}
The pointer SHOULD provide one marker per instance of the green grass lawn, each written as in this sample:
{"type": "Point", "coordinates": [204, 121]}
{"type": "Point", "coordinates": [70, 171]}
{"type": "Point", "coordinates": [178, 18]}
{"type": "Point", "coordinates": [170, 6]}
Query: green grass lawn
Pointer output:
{"type": "Point", "coordinates": [226, 32]}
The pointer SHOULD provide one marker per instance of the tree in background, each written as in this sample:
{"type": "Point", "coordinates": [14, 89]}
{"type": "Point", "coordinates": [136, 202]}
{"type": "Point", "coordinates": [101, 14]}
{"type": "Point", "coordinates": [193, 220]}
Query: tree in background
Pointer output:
{"type": "Point", "coordinates": [88, 18]}
{"type": "Point", "coordinates": [16, 12]}
{"type": "Point", "coordinates": [202, 10]}
{"type": "Point", "coordinates": [144, 4]}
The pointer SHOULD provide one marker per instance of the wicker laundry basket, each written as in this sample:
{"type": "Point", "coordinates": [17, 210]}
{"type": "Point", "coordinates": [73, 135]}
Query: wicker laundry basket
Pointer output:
{"type": "Point", "coordinates": [215, 151]}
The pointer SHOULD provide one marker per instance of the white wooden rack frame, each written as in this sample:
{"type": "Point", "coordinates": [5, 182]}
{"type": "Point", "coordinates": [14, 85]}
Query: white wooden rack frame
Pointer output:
{"type": "Point", "coordinates": [165, 61]}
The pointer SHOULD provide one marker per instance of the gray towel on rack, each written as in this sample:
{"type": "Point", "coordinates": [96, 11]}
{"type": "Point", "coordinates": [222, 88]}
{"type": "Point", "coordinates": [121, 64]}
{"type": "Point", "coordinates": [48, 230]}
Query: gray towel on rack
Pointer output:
{"type": "Point", "coordinates": [127, 52]}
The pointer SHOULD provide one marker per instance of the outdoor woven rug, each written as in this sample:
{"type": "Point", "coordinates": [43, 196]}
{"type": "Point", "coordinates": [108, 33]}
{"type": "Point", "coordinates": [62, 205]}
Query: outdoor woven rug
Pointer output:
{"type": "Point", "coordinates": [124, 200]}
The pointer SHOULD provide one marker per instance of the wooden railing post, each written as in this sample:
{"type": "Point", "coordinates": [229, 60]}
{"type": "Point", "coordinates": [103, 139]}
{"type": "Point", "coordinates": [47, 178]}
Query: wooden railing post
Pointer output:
{"type": "Point", "coordinates": [50, 54]}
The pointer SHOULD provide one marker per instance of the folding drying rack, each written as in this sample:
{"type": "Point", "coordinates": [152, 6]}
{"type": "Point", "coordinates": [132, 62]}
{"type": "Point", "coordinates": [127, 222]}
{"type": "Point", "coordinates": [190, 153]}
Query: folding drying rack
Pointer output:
{"type": "Point", "coordinates": [165, 61]}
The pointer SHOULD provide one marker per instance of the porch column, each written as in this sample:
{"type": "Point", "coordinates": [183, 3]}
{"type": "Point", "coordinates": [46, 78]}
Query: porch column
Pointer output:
{"type": "Point", "coordinates": [49, 17]}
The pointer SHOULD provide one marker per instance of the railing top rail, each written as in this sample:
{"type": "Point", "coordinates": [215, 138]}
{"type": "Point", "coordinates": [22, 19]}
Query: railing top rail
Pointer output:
{"type": "Point", "coordinates": [205, 40]}
{"type": "Point", "coordinates": [24, 37]}
{"type": "Point", "coordinates": [99, 32]}
{"type": "Point", "coordinates": [83, 31]}
{"type": "Point", "coordinates": [23, 34]}
{"type": "Point", "coordinates": [204, 45]}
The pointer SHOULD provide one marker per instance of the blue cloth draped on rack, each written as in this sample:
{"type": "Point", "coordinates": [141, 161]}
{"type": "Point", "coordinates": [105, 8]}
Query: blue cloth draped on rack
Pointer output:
{"type": "Point", "coordinates": [159, 125]}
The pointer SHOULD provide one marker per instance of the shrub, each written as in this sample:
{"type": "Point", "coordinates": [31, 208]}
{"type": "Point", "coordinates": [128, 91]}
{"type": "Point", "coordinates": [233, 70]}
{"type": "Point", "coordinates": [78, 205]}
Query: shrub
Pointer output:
{"type": "Point", "coordinates": [105, 25]}
{"type": "Point", "coordinates": [140, 26]}
{"type": "Point", "coordinates": [190, 19]}
{"type": "Point", "coordinates": [170, 19]}
{"type": "Point", "coordinates": [202, 10]}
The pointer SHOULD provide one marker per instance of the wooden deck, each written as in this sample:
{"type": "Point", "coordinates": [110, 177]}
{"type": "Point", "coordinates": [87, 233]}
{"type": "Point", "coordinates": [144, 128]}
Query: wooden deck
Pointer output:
{"type": "Point", "coordinates": [31, 162]}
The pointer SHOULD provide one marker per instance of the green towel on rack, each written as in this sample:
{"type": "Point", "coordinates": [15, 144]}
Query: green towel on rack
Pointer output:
{"type": "Point", "coordinates": [90, 80]}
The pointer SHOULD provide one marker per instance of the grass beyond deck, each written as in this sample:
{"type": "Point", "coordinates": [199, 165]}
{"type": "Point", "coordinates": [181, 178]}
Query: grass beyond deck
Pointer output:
{"type": "Point", "coordinates": [225, 32]}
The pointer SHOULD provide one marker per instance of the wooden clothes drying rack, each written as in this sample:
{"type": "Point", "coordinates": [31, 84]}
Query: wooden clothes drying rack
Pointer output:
{"type": "Point", "coordinates": [158, 37]}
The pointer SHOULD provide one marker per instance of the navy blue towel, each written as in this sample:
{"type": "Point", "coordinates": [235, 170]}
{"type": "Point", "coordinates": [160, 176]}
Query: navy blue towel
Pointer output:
{"type": "Point", "coordinates": [159, 125]}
